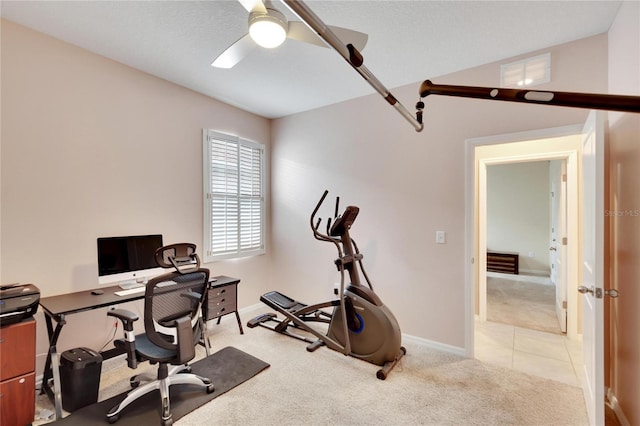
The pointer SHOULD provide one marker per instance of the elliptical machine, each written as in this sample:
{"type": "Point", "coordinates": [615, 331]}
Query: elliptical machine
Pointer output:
{"type": "Point", "coordinates": [360, 324]}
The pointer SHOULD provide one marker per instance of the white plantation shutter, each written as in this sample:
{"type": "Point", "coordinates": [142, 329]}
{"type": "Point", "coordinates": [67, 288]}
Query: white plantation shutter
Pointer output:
{"type": "Point", "coordinates": [234, 199]}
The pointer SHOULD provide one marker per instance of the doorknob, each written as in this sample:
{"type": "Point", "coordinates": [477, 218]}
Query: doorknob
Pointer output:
{"type": "Point", "coordinates": [613, 293]}
{"type": "Point", "coordinates": [552, 248]}
{"type": "Point", "coordinates": [597, 292]}
{"type": "Point", "coordinates": [584, 290]}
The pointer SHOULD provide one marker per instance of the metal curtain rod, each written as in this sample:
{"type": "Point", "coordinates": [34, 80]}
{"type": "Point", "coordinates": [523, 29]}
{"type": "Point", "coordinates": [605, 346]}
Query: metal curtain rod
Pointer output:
{"type": "Point", "coordinates": [622, 103]}
{"type": "Point", "coordinates": [355, 59]}
{"type": "Point", "coordinates": [351, 55]}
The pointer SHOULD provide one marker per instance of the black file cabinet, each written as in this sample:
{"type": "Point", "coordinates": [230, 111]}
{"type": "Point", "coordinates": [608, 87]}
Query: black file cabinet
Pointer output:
{"type": "Point", "coordinates": [222, 299]}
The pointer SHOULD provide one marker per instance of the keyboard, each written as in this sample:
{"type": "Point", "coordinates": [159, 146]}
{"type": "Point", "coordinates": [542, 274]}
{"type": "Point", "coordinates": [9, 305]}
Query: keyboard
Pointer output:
{"type": "Point", "coordinates": [130, 291]}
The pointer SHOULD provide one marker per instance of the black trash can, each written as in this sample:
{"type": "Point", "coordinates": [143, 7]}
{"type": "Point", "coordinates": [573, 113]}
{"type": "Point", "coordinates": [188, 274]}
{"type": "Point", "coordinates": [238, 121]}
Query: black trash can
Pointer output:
{"type": "Point", "coordinates": [79, 377]}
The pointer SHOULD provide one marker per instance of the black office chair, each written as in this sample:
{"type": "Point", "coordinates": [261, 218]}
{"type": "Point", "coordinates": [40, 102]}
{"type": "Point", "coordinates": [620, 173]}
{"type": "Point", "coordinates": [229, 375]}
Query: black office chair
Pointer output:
{"type": "Point", "coordinates": [173, 327]}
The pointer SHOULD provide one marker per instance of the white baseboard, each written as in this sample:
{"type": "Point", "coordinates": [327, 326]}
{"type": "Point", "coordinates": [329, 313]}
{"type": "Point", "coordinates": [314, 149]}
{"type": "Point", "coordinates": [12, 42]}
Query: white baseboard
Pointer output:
{"type": "Point", "coordinates": [435, 345]}
{"type": "Point", "coordinates": [534, 272]}
{"type": "Point", "coordinates": [613, 403]}
{"type": "Point", "coordinates": [252, 308]}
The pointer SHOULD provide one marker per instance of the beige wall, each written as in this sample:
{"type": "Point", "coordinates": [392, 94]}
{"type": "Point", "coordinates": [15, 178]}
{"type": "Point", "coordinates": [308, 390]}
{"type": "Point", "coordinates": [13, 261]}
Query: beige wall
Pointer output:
{"type": "Point", "coordinates": [623, 215]}
{"type": "Point", "coordinates": [407, 184]}
{"type": "Point", "coordinates": [518, 209]}
{"type": "Point", "coordinates": [93, 148]}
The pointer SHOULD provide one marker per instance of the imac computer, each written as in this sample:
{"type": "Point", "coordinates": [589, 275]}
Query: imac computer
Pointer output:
{"type": "Point", "coordinates": [128, 261]}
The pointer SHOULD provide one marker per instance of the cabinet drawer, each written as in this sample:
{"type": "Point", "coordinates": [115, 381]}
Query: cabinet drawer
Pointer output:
{"type": "Point", "coordinates": [17, 400]}
{"type": "Point", "coordinates": [221, 301]}
{"type": "Point", "coordinates": [218, 311]}
{"type": "Point", "coordinates": [17, 349]}
{"type": "Point", "coordinates": [221, 305]}
{"type": "Point", "coordinates": [227, 290]}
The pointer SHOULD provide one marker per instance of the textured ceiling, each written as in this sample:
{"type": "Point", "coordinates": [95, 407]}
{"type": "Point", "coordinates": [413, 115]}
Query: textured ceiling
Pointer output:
{"type": "Point", "coordinates": [409, 41]}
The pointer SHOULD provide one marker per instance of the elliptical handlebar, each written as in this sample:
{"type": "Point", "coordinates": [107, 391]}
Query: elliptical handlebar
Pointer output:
{"type": "Point", "coordinates": [315, 224]}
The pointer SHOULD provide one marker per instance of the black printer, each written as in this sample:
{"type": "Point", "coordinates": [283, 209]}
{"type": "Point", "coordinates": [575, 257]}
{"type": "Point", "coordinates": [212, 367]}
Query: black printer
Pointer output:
{"type": "Point", "coordinates": [17, 302]}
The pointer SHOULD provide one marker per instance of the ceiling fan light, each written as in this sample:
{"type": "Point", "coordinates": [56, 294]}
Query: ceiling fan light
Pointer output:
{"type": "Point", "coordinates": [268, 30]}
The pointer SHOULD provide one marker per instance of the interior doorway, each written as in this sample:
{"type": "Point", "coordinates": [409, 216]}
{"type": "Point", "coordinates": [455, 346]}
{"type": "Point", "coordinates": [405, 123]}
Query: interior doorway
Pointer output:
{"type": "Point", "coordinates": [525, 233]}
{"type": "Point", "coordinates": [559, 144]}
{"type": "Point", "coordinates": [533, 149]}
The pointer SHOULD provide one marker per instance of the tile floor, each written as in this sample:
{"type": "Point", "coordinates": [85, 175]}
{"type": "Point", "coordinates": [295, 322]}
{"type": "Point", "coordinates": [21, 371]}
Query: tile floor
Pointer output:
{"type": "Point", "coordinates": [547, 355]}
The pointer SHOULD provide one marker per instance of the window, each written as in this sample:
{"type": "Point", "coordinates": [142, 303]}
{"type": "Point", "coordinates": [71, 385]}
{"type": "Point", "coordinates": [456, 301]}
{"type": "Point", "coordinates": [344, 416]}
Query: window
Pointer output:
{"type": "Point", "coordinates": [233, 196]}
{"type": "Point", "coordinates": [528, 72]}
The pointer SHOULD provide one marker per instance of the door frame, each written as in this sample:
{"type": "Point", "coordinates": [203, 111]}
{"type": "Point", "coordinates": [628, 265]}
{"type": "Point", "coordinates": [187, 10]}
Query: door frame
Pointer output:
{"type": "Point", "coordinates": [475, 180]}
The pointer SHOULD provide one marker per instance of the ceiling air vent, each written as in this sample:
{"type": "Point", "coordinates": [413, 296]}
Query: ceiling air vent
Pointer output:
{"type": "Point", "coordinates": [527, 72]}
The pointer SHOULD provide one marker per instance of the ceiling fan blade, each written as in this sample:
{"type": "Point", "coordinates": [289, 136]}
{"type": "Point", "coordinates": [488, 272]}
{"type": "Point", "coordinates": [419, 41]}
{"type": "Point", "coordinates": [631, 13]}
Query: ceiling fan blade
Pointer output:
{"type": "Point", "coordinates": [358, 39]}
{"type": "Point", "coordinates": [235, 53]}
{"type": "Point", "coordinates": [301, 32]}
{"type": "Point", "coordinates": [253, 5]}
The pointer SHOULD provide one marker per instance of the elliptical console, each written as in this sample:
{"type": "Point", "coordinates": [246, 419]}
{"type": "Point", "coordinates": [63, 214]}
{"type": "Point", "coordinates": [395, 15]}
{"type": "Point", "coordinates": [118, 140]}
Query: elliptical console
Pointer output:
{"type": "Point", "coordinates": [360, 324]}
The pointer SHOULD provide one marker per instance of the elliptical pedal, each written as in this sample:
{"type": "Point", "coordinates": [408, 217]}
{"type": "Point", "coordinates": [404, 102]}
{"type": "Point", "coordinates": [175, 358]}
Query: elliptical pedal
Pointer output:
{"type": "Point", "coordinates": [279, 299]}
{"type": "Point", "coordinates": [254, 322]}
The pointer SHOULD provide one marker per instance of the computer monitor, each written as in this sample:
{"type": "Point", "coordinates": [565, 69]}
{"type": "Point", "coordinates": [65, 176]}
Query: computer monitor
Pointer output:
{"type": "Point", "coordinates": [129, 260]}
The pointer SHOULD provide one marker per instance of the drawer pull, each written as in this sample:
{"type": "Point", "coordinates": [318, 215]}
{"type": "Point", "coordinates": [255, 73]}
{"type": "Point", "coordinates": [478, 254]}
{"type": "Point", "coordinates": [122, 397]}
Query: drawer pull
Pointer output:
{"type": "Point", "coordinates": [21, 381]}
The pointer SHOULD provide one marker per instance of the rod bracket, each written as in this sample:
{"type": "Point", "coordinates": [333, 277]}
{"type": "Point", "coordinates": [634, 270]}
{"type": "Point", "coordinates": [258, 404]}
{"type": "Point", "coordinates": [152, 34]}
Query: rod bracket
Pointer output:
{"type": "Point", "coordinates": [355, 57]}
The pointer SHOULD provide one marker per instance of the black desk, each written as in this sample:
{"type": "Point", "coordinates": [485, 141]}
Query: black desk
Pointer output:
{"type": "Point", "coordinates": [56, 308]}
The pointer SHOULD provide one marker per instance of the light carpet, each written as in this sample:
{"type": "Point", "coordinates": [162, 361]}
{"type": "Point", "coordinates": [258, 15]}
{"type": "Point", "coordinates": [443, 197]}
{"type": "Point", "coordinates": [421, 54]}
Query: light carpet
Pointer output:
{"type": "Point", "coordinates": [428, 387]}
{"type": "Point", "coordinates": [527, 302]}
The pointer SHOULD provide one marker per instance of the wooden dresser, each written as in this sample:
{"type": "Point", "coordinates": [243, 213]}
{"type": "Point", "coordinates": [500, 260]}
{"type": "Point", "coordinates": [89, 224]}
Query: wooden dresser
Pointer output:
{"type": "Point", "coordinates": [502, 261]}
{"type": "Point", "coordinates": [17, 373]}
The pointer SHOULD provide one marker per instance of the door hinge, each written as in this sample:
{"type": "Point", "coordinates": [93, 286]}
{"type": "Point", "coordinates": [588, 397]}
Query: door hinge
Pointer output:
{"type": "Point", "coordinates": [564, 241]}
{"type": "Point", "coordinates": [564, 304]}
{"type": "Point", "coordinates": [564, 178]}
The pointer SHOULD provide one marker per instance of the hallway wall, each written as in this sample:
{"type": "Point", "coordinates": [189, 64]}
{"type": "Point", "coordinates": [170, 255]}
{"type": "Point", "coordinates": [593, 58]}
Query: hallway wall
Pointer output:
{"type": "Point", "coordinates": [518, 213]}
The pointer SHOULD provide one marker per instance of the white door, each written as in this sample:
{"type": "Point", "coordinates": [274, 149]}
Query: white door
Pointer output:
{"type": "Point", "coordinates": [592, 266]}
{"type": "Point", "coordinates": [558, 247]}
{"type": "Point", "coordinates": [555, 206]}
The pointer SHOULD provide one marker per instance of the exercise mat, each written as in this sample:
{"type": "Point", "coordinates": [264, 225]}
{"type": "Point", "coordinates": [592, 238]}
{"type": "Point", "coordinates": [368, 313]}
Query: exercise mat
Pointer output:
{"type": "Point", "coordinates": [226, 368]}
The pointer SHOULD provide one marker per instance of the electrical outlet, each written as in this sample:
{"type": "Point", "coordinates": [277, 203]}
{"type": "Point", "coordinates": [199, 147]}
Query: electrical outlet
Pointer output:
{"type": "Point", "coordinates": [441, 237]}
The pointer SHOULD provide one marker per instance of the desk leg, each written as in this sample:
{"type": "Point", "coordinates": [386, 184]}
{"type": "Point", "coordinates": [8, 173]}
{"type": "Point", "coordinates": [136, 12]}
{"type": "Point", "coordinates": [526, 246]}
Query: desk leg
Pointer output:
{"type": "Point", "coordinates": [52, 364]}
{"type": "Point", "coordinates": [239, 323]}
{"type": "Point", "coordinates": [47, 365]}
{"type": "Point", "coordinates": [57, 394]}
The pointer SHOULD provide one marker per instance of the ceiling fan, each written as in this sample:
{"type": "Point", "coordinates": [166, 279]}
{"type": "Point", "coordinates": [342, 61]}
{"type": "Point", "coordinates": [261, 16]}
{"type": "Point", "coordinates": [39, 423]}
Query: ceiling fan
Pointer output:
{"type": "Point", "coordinates": [269, 28]}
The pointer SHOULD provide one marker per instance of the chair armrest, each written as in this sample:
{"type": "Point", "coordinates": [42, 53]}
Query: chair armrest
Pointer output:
{"type": "Point", "coordinates": [186, 348]}
{"type": "Point", "coordinates": [127, 318]}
